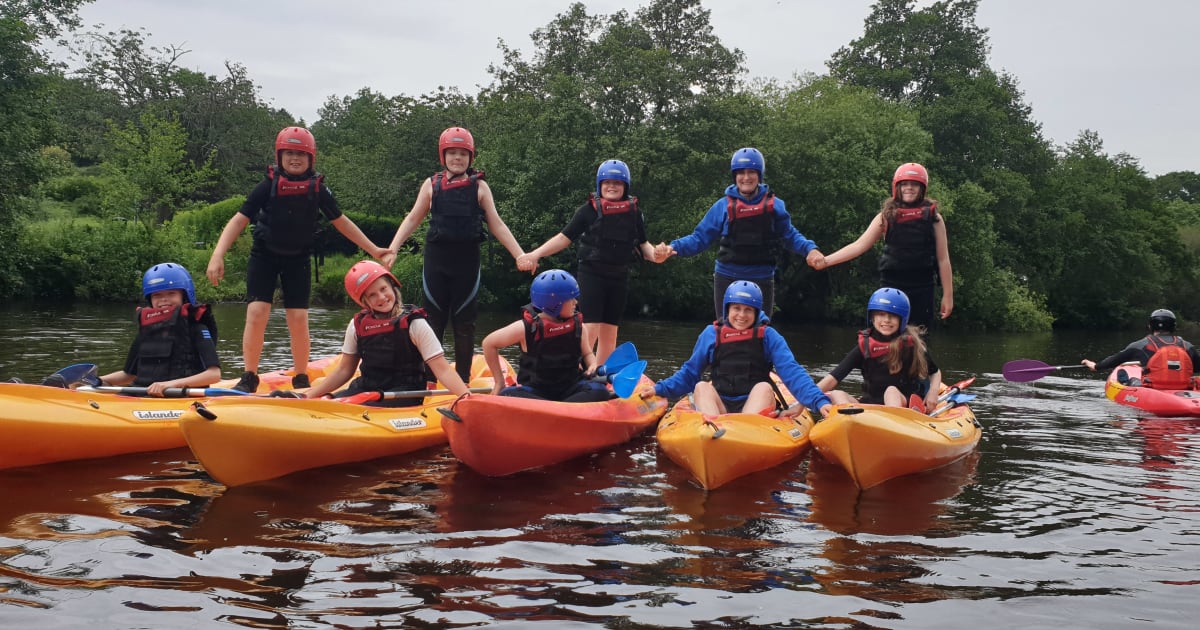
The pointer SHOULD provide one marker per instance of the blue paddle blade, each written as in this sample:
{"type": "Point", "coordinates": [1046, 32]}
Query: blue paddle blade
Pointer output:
{"type": "Point", "coordinates": [959, 399]}
{"type": "Point", "coordinates": [625, 382]}
{"type": "Point", "coordinates": [622, 356]}
{"type": "Point", "coordinates": [79, 373]}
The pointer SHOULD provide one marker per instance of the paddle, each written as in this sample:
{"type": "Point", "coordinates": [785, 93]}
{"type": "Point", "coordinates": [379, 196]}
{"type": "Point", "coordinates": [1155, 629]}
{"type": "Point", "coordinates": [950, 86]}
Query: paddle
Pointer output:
{"type": "Point", "coordinates": [71, 375]}
{"type": "Point", "coordinates": [1026, 370]}
{"type": "Point", "coordinates": [365, 397]}
{"type": "Point", "coordinates": [170, 392]}
{"type": "Point", "coordinates": [621, 357]}
{"type": "Point", "coordinates": [625, 381]}
{"type": "Point", "coordinates": [955, 388]}
{"type": "Point", "coordinates": [953, 402]}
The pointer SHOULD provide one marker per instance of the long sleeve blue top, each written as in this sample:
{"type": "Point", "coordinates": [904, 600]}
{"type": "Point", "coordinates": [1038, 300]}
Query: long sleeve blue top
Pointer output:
{"type": "Point", "coordinates": [794, 376]}
{"type": "Point", "coordinates": [715, 224]}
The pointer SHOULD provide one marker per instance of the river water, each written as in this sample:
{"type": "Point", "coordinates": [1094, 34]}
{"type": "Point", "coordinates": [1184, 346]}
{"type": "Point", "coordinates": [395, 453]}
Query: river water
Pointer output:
{"type": "Point", "coordinates": [1074, 512]}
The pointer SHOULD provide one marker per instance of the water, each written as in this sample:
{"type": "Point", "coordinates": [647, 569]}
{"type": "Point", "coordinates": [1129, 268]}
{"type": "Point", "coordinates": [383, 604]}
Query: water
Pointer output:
{"type": "Point", "coordinates": [1074, 512]}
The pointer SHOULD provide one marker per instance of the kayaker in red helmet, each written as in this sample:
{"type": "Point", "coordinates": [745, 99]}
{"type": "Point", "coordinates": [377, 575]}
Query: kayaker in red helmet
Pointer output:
{"type": "Point", "coordinates": [1168, 358]}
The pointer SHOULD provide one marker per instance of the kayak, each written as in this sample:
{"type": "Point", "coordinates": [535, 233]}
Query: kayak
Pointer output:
{"type": "Point", "coordinates": [875, 443]}
{"type": "Point", "coordinates": [41, 425]}
{"type": "Point", "coordinates": [502, 435]}
{"type": "Point", "coordinates": [718, 449]}
{"type": "Point", "coordinates": [244, 439]}
{"type": "Point", "coordinates": [1166, 403]}
{"type": "Point", "coordinates": [282, 379]}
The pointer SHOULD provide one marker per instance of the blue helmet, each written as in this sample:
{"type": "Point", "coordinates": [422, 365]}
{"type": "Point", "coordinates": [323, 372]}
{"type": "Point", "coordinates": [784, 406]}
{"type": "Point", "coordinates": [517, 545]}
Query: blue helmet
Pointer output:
{"type": "Point", "coordinates": [892, 301]}
{"type": "Point", "coordinates": [613, 170]}
{"type": "Point", "coordinates": [167, 276]}
{"type": "Point", "coordinates": [750, 158]}
{"type": "Point", "coordinates": [742, 292]}
{"type": "Point", "coordinates": [551, 289]}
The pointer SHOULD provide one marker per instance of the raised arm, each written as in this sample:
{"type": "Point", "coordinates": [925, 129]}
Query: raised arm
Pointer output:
{"type": "Point", "coordinates": [495, 224]}
{"type": "Point", "coordinates": [414, 217]}
{"type": "Point", "coordinates": [869, 237]}
{"type": "Point", "coordinates": [529, 260]}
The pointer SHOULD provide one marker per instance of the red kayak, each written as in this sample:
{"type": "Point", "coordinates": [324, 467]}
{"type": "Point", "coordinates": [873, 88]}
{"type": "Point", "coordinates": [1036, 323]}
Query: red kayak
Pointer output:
{"type": "Point", "coordinates": [502, 435]}
{"type": "Point", "coordinates": [1165, 403]}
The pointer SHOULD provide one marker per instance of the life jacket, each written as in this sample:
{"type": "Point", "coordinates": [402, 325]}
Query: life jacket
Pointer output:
{"type": "Point", "coordinates": [873, 348]}
{"type": "Point", "coordinates": [750, 237]}
{"type": "Point", "coordinates": [908, 241]}
{"type": "Point", "coordinates": [288, 224]}
{"type": "Point", "coordinates": [165, 348]}
{"type": "Point", "coordinates": [454, 212]}
{"type": "Point", "coordinates": [1170, 365]}
{"type": "Point", "coordinates": [739, 359]}
{"type": "Point", "coordinates": [388, 358]}
{"type": "Point", "coordinates": [613, 237]}
{"type": "Point", "coordinates": [551, 361]}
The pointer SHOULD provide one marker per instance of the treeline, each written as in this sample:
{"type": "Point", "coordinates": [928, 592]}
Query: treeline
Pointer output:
{"type": "Point", "coordinates": [125, 158]}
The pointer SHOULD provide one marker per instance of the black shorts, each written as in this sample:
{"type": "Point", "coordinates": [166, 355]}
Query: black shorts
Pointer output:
{"type": "Point", "coordinates": [267, 272]}
{"type": "Point", "coordinates": [602, 295]}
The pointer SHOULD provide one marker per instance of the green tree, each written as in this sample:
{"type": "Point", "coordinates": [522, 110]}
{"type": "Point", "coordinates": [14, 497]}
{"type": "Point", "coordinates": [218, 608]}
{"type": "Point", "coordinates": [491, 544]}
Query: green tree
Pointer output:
{"type": "Point", "coordinates": [153, 174]}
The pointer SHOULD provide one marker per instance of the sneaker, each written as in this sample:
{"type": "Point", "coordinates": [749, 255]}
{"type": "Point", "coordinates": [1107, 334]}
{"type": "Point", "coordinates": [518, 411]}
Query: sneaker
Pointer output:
{"type": "Point", "coordinates": [248, 384]}
{"type": "Point", "coordinates": [55, 380]}
{"type": "Point", "coordinates": [1122, 376]}
{"type": "Point", "coordinates": [300, 381]}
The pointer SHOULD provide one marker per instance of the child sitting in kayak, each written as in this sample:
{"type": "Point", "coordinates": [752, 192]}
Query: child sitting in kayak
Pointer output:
{"type": "Point", "coordinates": [893, 358]}
{"type": "Point", "coordinates": [176, 343]}
{"type": "Point", "coordinates": [390, 341]}
{"type": "Point", "coordinates": [742, 351]}
{"type": "Point", "coordinates": [557, 361]}
{"type": "Point", "coordinates": [1168, 358]}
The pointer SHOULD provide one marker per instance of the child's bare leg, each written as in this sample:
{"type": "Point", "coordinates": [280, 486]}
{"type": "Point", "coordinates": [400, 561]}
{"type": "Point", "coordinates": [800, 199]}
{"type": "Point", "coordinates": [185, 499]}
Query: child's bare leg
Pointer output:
{"type": "Point", "coordinates": [257, 314]}
{"type": "Point", "coordinates": [893, 398]}
{"type": "Point", "coordinates": [297, 323]}
{"type": "Point", "coordinates": [839, 397]}
{"type": "Point", "coordinates": [760, 398]}
{"type": "Point", "coordinates": [707, 400]}
{"type": "Point", "coordinates": [605, 336]}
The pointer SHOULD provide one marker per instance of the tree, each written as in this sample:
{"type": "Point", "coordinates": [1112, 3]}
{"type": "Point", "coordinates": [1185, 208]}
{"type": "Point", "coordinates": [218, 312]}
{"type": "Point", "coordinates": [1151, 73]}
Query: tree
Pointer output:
{"type": "Point", "coordinates": [148, 164]}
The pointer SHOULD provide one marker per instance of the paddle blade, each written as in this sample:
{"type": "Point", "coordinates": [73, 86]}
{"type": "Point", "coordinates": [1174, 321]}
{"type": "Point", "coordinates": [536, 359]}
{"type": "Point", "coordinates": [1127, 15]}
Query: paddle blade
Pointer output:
{"type": "Point", "coordinates": [625, 381]}
{"type": "Point", "coordinates": [916, 403]}
{"type": "Point", "coordinates": [1026, 370]}
{"type": "Point", "coordinates": [621, 357]}
{"type": "Point", "coordinates": [79, 373]}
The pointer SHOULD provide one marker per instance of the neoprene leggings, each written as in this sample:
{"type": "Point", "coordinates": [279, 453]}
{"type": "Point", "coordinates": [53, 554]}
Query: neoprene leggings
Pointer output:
{"type": "Point", "coordinates": [451, 278]}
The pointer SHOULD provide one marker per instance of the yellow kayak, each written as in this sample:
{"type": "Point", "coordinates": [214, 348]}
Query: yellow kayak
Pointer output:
{"type": "Point", "coordinates": [719, 449]}
{"type": "Point", "coordinates": [41, 425]}
{"type": "Point", "coordinates": [875, 443]}
{"type": "Point", "coordinates": [244, 439]}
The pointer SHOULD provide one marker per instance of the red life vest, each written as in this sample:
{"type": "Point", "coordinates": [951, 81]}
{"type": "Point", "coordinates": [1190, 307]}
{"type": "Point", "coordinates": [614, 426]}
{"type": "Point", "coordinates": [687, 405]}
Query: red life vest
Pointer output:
{"type": "Point", "coordinates": [908, 240]}
{"type": "Point", "coordinates": [739, 359]}
{"type": "Point", "coordinates": [1170, 366]}
{"type": "Point", "coordinates": [389, 359]}
{"type": "Point", "coordinates": [750, 237]}
{"type": "Point", "coordinates": [613, 237]}
{"type": "Point", "coordinates": [454, 212]}
{"type": "Point", "coordinates": [551, 361]}
{"type": "Point", "coordinates": [288, 224]}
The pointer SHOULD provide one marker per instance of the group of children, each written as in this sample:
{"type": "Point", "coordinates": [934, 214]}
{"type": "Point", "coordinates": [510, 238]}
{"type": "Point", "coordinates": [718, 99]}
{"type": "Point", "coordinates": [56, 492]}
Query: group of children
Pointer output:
{"type": "Point", "coordinates": [394, 345]}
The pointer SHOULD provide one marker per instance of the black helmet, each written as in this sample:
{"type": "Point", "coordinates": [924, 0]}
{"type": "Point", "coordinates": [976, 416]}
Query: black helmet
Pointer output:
{"type": "Point", "coordinates": [1163, 320]}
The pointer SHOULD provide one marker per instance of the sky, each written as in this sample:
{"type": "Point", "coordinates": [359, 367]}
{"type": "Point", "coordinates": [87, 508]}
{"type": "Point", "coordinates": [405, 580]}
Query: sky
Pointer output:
{"type": "Point", "coordinates": [1130, 71]}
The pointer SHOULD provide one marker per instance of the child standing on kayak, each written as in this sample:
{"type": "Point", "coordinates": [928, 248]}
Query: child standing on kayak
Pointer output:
{"type": "Point", "coordinates": [753, 228]}
{"type": "Point", "coordinates": [390, 341]}
{"type": "Point", "coordinates": [612, 235]}
{"type": "Point", "coordinates": [1156, 352]}
{"type": "Point", "coordinates": [285, 208]}
{"type": "Point", "coordinates": [557, 361]}
{"type": "Point", "coordinates": [893, 358]}
{"type": "Point", "coordinates": [916, 253]}
{"type": "Point", "coordinates": [742, 351]}
{"type": "Point", "coordinates": [176, 343]}
{"type": "Point", "coordinates": [459, 204]}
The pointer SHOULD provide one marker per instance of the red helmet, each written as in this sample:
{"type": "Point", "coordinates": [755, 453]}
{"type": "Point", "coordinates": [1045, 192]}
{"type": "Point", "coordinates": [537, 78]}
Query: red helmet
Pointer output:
{"type": "Point", "coordinates": [455, 138]}
{"type": "Point", "coordinates": [297, 139]}
{"type": "Point", "coordinates": [361, 275]}
{"type": "Point", "coordinates": [911, 172]}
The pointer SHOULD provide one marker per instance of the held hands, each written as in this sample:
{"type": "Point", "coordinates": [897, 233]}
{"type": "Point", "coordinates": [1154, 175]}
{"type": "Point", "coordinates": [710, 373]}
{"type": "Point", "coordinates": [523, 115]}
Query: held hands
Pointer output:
{"type": "Point", "coordinates": [816, 260]}
{"type": "Point", "coordinates": [388, 259]}
{"type": "Point", "coordinates": [528, 262]}
{"type": "Point", "coordinates": [663, 251]}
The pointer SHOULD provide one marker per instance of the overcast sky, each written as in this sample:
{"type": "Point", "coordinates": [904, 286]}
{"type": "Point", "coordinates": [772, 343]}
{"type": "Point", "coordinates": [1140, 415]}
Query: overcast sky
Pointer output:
{"type": "Point", "coordinates": [1127, 70]}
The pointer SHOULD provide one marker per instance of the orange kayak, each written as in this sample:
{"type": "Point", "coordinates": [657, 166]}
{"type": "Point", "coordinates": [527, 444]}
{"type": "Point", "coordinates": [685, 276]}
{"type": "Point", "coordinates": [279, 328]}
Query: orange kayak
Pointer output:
{"type": "Point", "coordinates": [875, 443]}
{"type": "Point", "coordinates": [1166, 403]}
{"type": "Point", "coordinates": [717, 450]}
{"type": "Point", "coordinates": [502, 435]}
{"type": "Point", "coordinates": [50, 424]}
{"type": "Point", "coordinates": [246, 439]}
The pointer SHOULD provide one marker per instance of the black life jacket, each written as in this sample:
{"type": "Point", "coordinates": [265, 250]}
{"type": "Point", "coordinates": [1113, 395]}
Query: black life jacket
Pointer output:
{"type": "Point", "coordinates": [876, 375]}
{"type": "Point", "coordinates": [288, 224]}
{"type": "Point", "coordinates": [613, 237]}
{"type": "Point", "coordinates": [750, 237]}
{"type": "Point", "coordinates": [908, 241]}
{"type": "Point", "coordinates": [454, 212]}
{"type": "Point", "coordinates": [739, 359]}
{"type": "Point", "coordinates": [165, 348]}
{"type": "Point", "coordinates": [1169, 365]}
{"type": "Point", "coordinates": [551, 361]}
{"type": "Point", "coordinates": [388, 358]}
